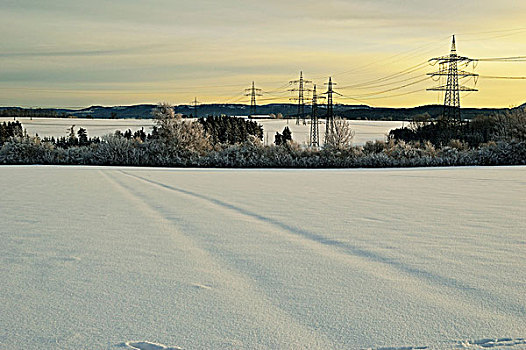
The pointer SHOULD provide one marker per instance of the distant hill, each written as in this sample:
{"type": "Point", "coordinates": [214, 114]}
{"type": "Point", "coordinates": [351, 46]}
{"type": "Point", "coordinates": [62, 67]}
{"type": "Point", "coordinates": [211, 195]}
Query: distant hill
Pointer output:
{"type": "Point", "coordinates": [143, 111]}
{"type": "Point", "coordinates": [434, 111]}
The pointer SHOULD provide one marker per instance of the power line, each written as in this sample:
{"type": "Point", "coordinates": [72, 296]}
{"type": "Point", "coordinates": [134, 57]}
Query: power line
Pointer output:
{"type": "Point", "coordinates": [235, 98]}
{"type": "Point", "coordinates": [501, 77]}
{"type": "Point", "coordinates": [269, 98]}
{"type": "Point", "coordinates": [401, 54]}
{"type": "Point", "coordinates": [381, 84]}
{"type": "Point", "coordinates": [502, 59]}
{"type": "Point", "coordinates": [509, 33]}
{"type": "Point", "coordinates": [409, 70]}
{"type": "Point", "coordinates": [393, 89]}
{"type": "Point", "coordinates": [382, 97]}
{"type": "Point", "coordinates": [493, 31]}
{"type": "Point", "coordinates": [354, 99]}
{"type": "Point", "coordinates": [279, 88]}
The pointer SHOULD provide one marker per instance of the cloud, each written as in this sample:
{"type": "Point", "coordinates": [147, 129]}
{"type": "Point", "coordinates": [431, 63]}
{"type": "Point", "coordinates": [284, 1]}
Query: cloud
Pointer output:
{"type": "Point", "coordinates": [62, 44]}
{"type": "Point", "coordinates": [100, 52]}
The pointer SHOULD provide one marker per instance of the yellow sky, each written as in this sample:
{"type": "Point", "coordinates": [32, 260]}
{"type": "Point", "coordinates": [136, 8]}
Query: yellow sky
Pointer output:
{"type": "Point", "coordinates": [75, 54]}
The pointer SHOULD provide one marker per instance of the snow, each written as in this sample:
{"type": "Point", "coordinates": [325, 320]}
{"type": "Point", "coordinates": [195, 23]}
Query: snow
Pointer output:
{"type": "Point", "coordinates": [141, 258]}
{"type": "Point", "coordinates": [57, 127]}
{"type": "Point", "coordinates": [365, 130]}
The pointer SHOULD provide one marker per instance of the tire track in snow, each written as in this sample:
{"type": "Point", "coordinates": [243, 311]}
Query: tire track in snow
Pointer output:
{"type": "Point", "coordinates": [297, 334]}
{"type": "Point", "coordinates": [486, 343]}
{"type": "Point", "coordinates": [432, 278]}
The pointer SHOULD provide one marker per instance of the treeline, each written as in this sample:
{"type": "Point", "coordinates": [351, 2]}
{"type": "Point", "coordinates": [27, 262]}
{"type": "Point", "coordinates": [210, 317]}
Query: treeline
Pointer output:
{"type": "Point", "coordinates": [236, 142]}
{"type": "Point", "coordinates": [510, 125]}
{"type": "Point", "coordinates": [13, 113]}
{"type": "Point", "coordinates": [408, 114]}
{"type": "Point", "coordinates": [73, 139]}
{"type": "Point", "coordinates": [228, 130]}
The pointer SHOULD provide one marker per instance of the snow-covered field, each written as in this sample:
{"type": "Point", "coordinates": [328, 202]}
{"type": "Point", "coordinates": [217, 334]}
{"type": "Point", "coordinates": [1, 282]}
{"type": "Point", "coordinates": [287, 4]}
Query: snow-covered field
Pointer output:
{"type": "Point", "coordinates": [364, 130]}
{"type": "Point", "coordinates": [58, 127]}
{"type": "Point", "coordinates": [139, 258]}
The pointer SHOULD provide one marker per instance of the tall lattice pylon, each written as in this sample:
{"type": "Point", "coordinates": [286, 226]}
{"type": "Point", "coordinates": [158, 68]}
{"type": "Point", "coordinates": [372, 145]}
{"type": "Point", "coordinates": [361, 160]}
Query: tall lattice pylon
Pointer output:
{"type": "Point", "coordinates": [448, 67]}
{"type": "Point", "coordinates": [329, 119]}
{"type": "Point", "coordinates": [314, 140]}
{"type": "Point", "coordinates": [301, 89]}
{"type": "Point", "coordinates": [253, 92]}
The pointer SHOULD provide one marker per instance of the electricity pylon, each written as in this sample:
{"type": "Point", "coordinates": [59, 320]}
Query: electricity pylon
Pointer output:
{"type": "Point", "coordinates": [253, 92]}
{"type": "Point", "coordinates": [195, 103]}
{"type": "Point", "coordinates": [314, 140]}
{"type": "Point", "coordinates": [329, 123]}
{"type": "Point", "coordinates": [301, 89]}
{"type": "Point", "coordinates": [448, 67]}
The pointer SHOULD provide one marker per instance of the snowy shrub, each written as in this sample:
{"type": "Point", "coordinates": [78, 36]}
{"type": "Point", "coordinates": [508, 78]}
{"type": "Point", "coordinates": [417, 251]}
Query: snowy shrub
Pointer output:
{"type": "Point", "coordinates": [115, 150]}
{"type": "Point", "coordinates": [458, 144]}
{"type": "Point", "coordinates": [26, 150]}
{"type": "Point", "coordinates": [371, 147]}
{"type": "Point", "coordinates": [429, 149]}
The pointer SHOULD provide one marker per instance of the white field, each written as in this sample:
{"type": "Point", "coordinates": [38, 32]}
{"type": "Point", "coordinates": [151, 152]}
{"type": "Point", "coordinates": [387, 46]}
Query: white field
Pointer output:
{"type": "Point", "coordinates": [59, 127]}
{"type": "Point", "coordinates": [364, 130]}
{"type": "Point", "coordinates": [140, 258]}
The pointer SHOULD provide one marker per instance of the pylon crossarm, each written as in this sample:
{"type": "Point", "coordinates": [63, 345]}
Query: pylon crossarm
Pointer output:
{"type": "Point", "coordinates": [445, 88]}
{"type": "Point", "coordinates": [446, 59]}
{"type": "Point", "coordinates": [296, 89]}
{"type": "Point", "coordinates": [460, 74]}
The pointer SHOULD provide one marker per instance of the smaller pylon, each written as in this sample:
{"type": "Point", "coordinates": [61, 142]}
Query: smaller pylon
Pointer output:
{"type": "Point", "coordinates": [253, 92]}
{"type": "Point", "coordinates": [314, 127]}
{"type": "Point", "coordinates": [329, 122]}
{"type": "Point", "coordinates": [301, 89]}
{"type": "Point", "coordinates": [195, 103]}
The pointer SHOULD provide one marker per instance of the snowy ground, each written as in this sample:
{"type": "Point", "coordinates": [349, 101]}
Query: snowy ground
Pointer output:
{"type": "Point", "coordinates": [58, 127]}
{"type": "Point", "coordinates": [128, 258]}
{"type": "Point", "coordinates": [365, 130]}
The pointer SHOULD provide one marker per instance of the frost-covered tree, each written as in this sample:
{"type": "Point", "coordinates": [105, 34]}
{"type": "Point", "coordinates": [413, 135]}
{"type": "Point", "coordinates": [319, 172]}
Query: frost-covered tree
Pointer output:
{"type": "Point", "coordinates": [178, 135]}
{"type": "Point", "coordinates": [511, 125]}
{"type": "Point", "coordinates": [341, 136]}
{"type": "Point", "coordinates": [72, 138]}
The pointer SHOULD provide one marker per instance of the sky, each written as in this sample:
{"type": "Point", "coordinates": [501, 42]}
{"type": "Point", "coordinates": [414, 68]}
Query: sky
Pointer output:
{"type": "Point", "coordinates": [63, 53]}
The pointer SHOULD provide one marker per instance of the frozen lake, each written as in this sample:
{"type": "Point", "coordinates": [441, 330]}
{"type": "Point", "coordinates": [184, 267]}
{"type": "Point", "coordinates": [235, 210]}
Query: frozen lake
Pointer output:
{"type": "Point", "coordinates": [364, 130]}
{"type": "Point", "coordinates": [140, 258]}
